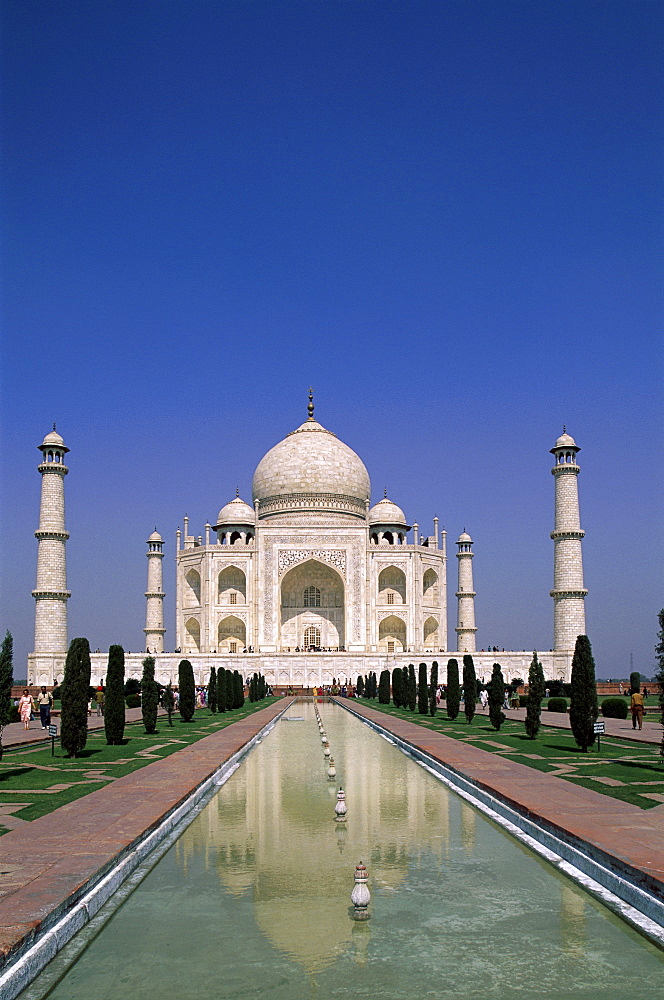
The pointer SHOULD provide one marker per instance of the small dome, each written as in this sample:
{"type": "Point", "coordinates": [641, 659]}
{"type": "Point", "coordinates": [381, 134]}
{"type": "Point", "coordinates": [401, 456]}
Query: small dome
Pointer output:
{"type": "Point", "coordinates": [565, 441]}
{"type": "Point", "coordinates": [236, 512]}
{"type": "Point", "coordinates": [53, 440]}
{"type": "Point", "coordinates": [464, 537]}
{"type": "Point", "coordinates": [386, 512]}
{"type": "Point", "coordinates": [155, 537]}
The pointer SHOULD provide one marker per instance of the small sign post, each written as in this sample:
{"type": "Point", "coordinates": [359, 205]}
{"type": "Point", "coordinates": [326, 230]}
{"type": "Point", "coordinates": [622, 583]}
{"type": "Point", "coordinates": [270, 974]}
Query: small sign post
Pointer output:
{"type": "Point", "coordinates": [53, 732]}
{"type": "Point", "coordinates": [598, 729]}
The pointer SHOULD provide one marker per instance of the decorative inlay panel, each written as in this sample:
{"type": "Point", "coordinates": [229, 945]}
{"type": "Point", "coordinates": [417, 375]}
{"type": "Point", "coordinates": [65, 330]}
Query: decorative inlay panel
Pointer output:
{"type": "Point", "coordinates": [291, 557]}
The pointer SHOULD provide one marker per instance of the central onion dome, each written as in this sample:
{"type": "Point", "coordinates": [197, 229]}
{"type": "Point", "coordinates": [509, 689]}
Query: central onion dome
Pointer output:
{"type": "Point", "coordinates": [311, 470]}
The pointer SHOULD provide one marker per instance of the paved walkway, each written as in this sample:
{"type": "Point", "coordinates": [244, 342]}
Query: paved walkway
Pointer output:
{"type": "Point", "coordinates": [651, 732]}
{"type": "Point", "coordinates": [15, 735]}
{"type": "Point", "coordinates": [632, 837]}
{"type": "Point", "coordinates": [48, 864]}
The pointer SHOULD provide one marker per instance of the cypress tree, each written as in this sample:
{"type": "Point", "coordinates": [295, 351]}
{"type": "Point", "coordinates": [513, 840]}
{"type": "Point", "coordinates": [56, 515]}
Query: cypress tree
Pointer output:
{"type": "Point", "coordinates": [536, 689]}
{"type": "Point", "coordinates": [74, 697]}
{"type": "Point", "coordinates": [422, 690]}
{"type": "Point", "coordinates": [583, 697]}
{"type": "Point", "coordinates": [433, 688]}
{"type": "Point", "coordinates": [469, 688]}
{"type": "Point", "coordinates": [114, 700]}
{"type": "Point", "coordinates": [397, 687]}
{"type": "Point", "coordinates": [238, 690]}
{"type": "Point", "coordinates": [659, 675]}
{"type": "Point", "coordinates": [149, 696]}
{"type": "Point", "coordinates": [230, 691]}
{"type": "Point", "coordinates": [187, 690]}
{"type": "Point", "coordinates": [6, 681]}
{"type": "Point", "coordinates": [359, 687]}
{"type": "Point", "coordinates": [453, 696]}
{"type": "Point", "coordinates": [634, 682]}
{"type": "Point", "coordinates": [384, 688]}
{"type": "Point", "coordinates": [212, 691]}
{"type": "Point", "coordinates": [496, 690]}
{"type": "Point", "coordinates": [169, 702]}
{"type": "Point", "coordinates": [222, 696]}
{"type": "Point", "coordinates": [412, 687]}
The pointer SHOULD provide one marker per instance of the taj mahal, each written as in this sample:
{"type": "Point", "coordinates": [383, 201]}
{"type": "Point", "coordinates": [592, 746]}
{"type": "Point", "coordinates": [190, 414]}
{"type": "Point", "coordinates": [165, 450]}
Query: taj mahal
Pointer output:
{"type": "Point", "coordinates": [311, 581]}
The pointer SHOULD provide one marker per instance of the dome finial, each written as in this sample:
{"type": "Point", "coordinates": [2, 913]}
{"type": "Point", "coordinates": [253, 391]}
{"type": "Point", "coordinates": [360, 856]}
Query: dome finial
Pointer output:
{"type": "Point", "coordinates": [237, 491]}
{"type": "Point", "coordinates": [385, 493]}
{"type": "Point", "coordinates": [54, 425]}
{"type": "Point", "coordinates": [564, 428]}
{"type": "Point", "coordinates": [310, 405]}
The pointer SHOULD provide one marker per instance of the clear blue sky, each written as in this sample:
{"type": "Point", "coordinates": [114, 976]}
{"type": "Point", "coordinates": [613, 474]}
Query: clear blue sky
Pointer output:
{"type": "Point", "coordinates": [445, 216]}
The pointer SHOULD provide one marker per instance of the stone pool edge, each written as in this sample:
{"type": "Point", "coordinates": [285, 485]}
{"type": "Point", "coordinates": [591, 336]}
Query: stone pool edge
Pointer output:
{"type": "Point", "coordinates": [31, 954]}
{"type": "Point", "coordinates": [611, 880]}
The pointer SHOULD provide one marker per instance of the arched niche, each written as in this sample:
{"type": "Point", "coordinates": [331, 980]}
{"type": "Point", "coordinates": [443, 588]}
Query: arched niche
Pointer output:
{"type": "Point", "coordinates": [312, 595]}
{"type": "Point", "coordinates": [193, 635]}
{"type": "Point", "coordinates": [232, 586]}
{"type": "Point", "coordinates": [231, 635]}
{"type": "Point", "coordinates": [392, 635]}
{"type": "Point", "coordinates": [430, 587]}
{"type": "Point", "coordinates": [431, 634]}
{"type": "Point", "coordinates": [392, 586]}
{"type": "Point", "coordinates": [192, 588]}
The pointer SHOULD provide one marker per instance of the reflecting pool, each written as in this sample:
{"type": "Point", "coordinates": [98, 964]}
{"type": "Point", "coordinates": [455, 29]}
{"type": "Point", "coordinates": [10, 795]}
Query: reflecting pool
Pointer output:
{"type": "Point", "coordinates": [253, 899]}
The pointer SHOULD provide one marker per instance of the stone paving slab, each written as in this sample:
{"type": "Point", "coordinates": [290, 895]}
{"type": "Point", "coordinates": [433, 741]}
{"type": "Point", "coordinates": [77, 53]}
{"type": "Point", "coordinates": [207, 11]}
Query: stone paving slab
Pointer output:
{"type": "Point", "coordinates": [48, 864]}
{"type": "Point", "coordinates": [651, 732]}
{"type": "Point", "coordinates": [632, 837]}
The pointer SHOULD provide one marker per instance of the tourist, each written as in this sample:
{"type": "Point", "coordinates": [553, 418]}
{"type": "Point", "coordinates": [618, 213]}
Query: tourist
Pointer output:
{"type": "Point", "coordinates": [484, 698]}
{"type": "Point", "coordinates": [99, 700]}
{"type": "Point", "coordinates": [621, 688]}
{"type": "Point", "coordinates": [25, 708]}
{"type": "Point", "coordinates": [637, 709]}
{"type": "Point", "coordinates": [45, 702]}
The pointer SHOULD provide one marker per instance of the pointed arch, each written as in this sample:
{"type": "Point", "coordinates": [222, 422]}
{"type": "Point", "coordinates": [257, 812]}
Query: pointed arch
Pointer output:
{"type": "Point", "coordinates": [430, 587]}
{"type": "Point", "coordinates": [192, 588]}
{"type": "Point", "coordinates": [431, 634]}
{"type": "Point", "coordinates": [193, 635]}
{"type": "Point", "coordinates": [232, 586]}
{"type": "Point", "coordinates": [392, 586]}
{"type": "Point", "coordinates": [231, 635]}
{"type": "Point", "coordinates": [392, 635]}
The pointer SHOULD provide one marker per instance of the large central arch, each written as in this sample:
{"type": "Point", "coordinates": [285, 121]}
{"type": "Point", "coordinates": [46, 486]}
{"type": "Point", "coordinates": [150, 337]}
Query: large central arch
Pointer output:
{"type": "Point", "coordinates": [312, 604]}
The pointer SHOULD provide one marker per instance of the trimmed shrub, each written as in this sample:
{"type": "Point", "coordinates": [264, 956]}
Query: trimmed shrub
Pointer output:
{"type": "Point", "coordinates": [114, 706]}
{"type": "Point", "coordinates": [238, 690]}
{"type": "Point", "coordinates": [469, 688]}
{"type": "Point", "coordinates": [6, 681]}
{"type": "Point", "coordinates": [212, 691]}
{"type": "Point", "coordinates": [536, 691]}
{"type": "Point", "coordinates": [133, 701]}
{"type": "Point", "coordinates": [412, 687]}
{"type": "Point", "coordinates": [169, 702]}
{"type": "Point", "coordinates": [132, 686]}
{"type": "Point", "coordinates": [359, 687]}
{"type": "Point", "coordinates": [397, 687]}
{"type": "Point", "coordinates": [583, 709]}
{"type": "Point", "coordinates": [422, 690]}
{"type": "Point", "coordinates": [187, 690]}
{"type": "Point", "coordinates": [74, 712]}
{"type": "Point", "coordinates": [384, 688]}
{"type": "Point", "coordinates": [149, 696]}
{"type": "Point", "coordinates": [557, 705]}
{"type": "Point", "coordinates": [496, 691]}
{"type": "Point", "coordinates": [453, 696]}
{"type": "Point", "coordinates": [634, 682]}
{"type": "Point", "coordinates": [614, 708]}
{"type": "Point", "coordinates": [433, 688]}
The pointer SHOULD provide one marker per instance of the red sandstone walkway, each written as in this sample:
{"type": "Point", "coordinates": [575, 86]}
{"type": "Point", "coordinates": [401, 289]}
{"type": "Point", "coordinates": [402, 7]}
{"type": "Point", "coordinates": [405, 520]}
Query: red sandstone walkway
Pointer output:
{"type": "Point", "coordinates": [651, 732]}
{"type": "Point", "coordinates": [633, 836]}
{"type": "Point", "coordinates": [47, 865]}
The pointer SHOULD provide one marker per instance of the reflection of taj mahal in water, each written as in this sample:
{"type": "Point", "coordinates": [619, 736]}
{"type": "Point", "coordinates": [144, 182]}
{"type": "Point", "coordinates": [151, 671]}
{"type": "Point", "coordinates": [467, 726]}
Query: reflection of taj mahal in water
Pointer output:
{"type": "Point", "coordinates": [312, 579]}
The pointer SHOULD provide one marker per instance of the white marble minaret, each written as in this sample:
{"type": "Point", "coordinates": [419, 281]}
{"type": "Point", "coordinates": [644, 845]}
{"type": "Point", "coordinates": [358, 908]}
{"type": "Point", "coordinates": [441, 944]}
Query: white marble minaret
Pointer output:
{"type": "Point", "coordinates": [51, 594]}
{"type": "Point", "coordinates": [154, 595]}
{"type": "Point", "coordinates": [569, 615]}
{"type": "Point", "coordinates": [465, 628]}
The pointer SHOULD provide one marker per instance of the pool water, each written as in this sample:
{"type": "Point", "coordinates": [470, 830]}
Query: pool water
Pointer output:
{"type": "Point", "coordinates": [253, 899]}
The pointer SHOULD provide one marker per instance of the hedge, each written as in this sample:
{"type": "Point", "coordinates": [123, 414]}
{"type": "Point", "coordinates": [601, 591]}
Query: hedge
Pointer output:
{"type": "Point", "coordinates": [557, 705]}
{"type": "Point", "coordinates": [614, 708]}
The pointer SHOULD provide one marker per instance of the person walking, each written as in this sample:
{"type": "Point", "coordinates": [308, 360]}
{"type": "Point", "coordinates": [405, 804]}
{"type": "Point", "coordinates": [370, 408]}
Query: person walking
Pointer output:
{"type": "Point", "coordinates": [99, 700]}
{"type": "Point", "coordinates": [45, 702]}
{"type": "Point", "coordinates": [637, 709]}
{"type": "Point", "coordinates": [25, 708]}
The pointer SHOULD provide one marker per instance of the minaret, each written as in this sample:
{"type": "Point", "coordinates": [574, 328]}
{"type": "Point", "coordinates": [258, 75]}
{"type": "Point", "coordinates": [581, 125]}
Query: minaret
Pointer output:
{"type": "Point", "coordinates": [465, 628]}
{"type": "Point", "coordinates": [51, 592]}
{"type": "Point", "coordinates": [154, 615]}
{"type": "Point", "coordinates": [569, 616]}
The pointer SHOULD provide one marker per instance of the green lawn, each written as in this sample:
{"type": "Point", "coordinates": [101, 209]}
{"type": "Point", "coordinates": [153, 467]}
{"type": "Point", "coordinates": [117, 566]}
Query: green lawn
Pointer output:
{"type": "Point", "coordinates": [630, 771]}
{"type": "Point", "coordinates": [38, 783]}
